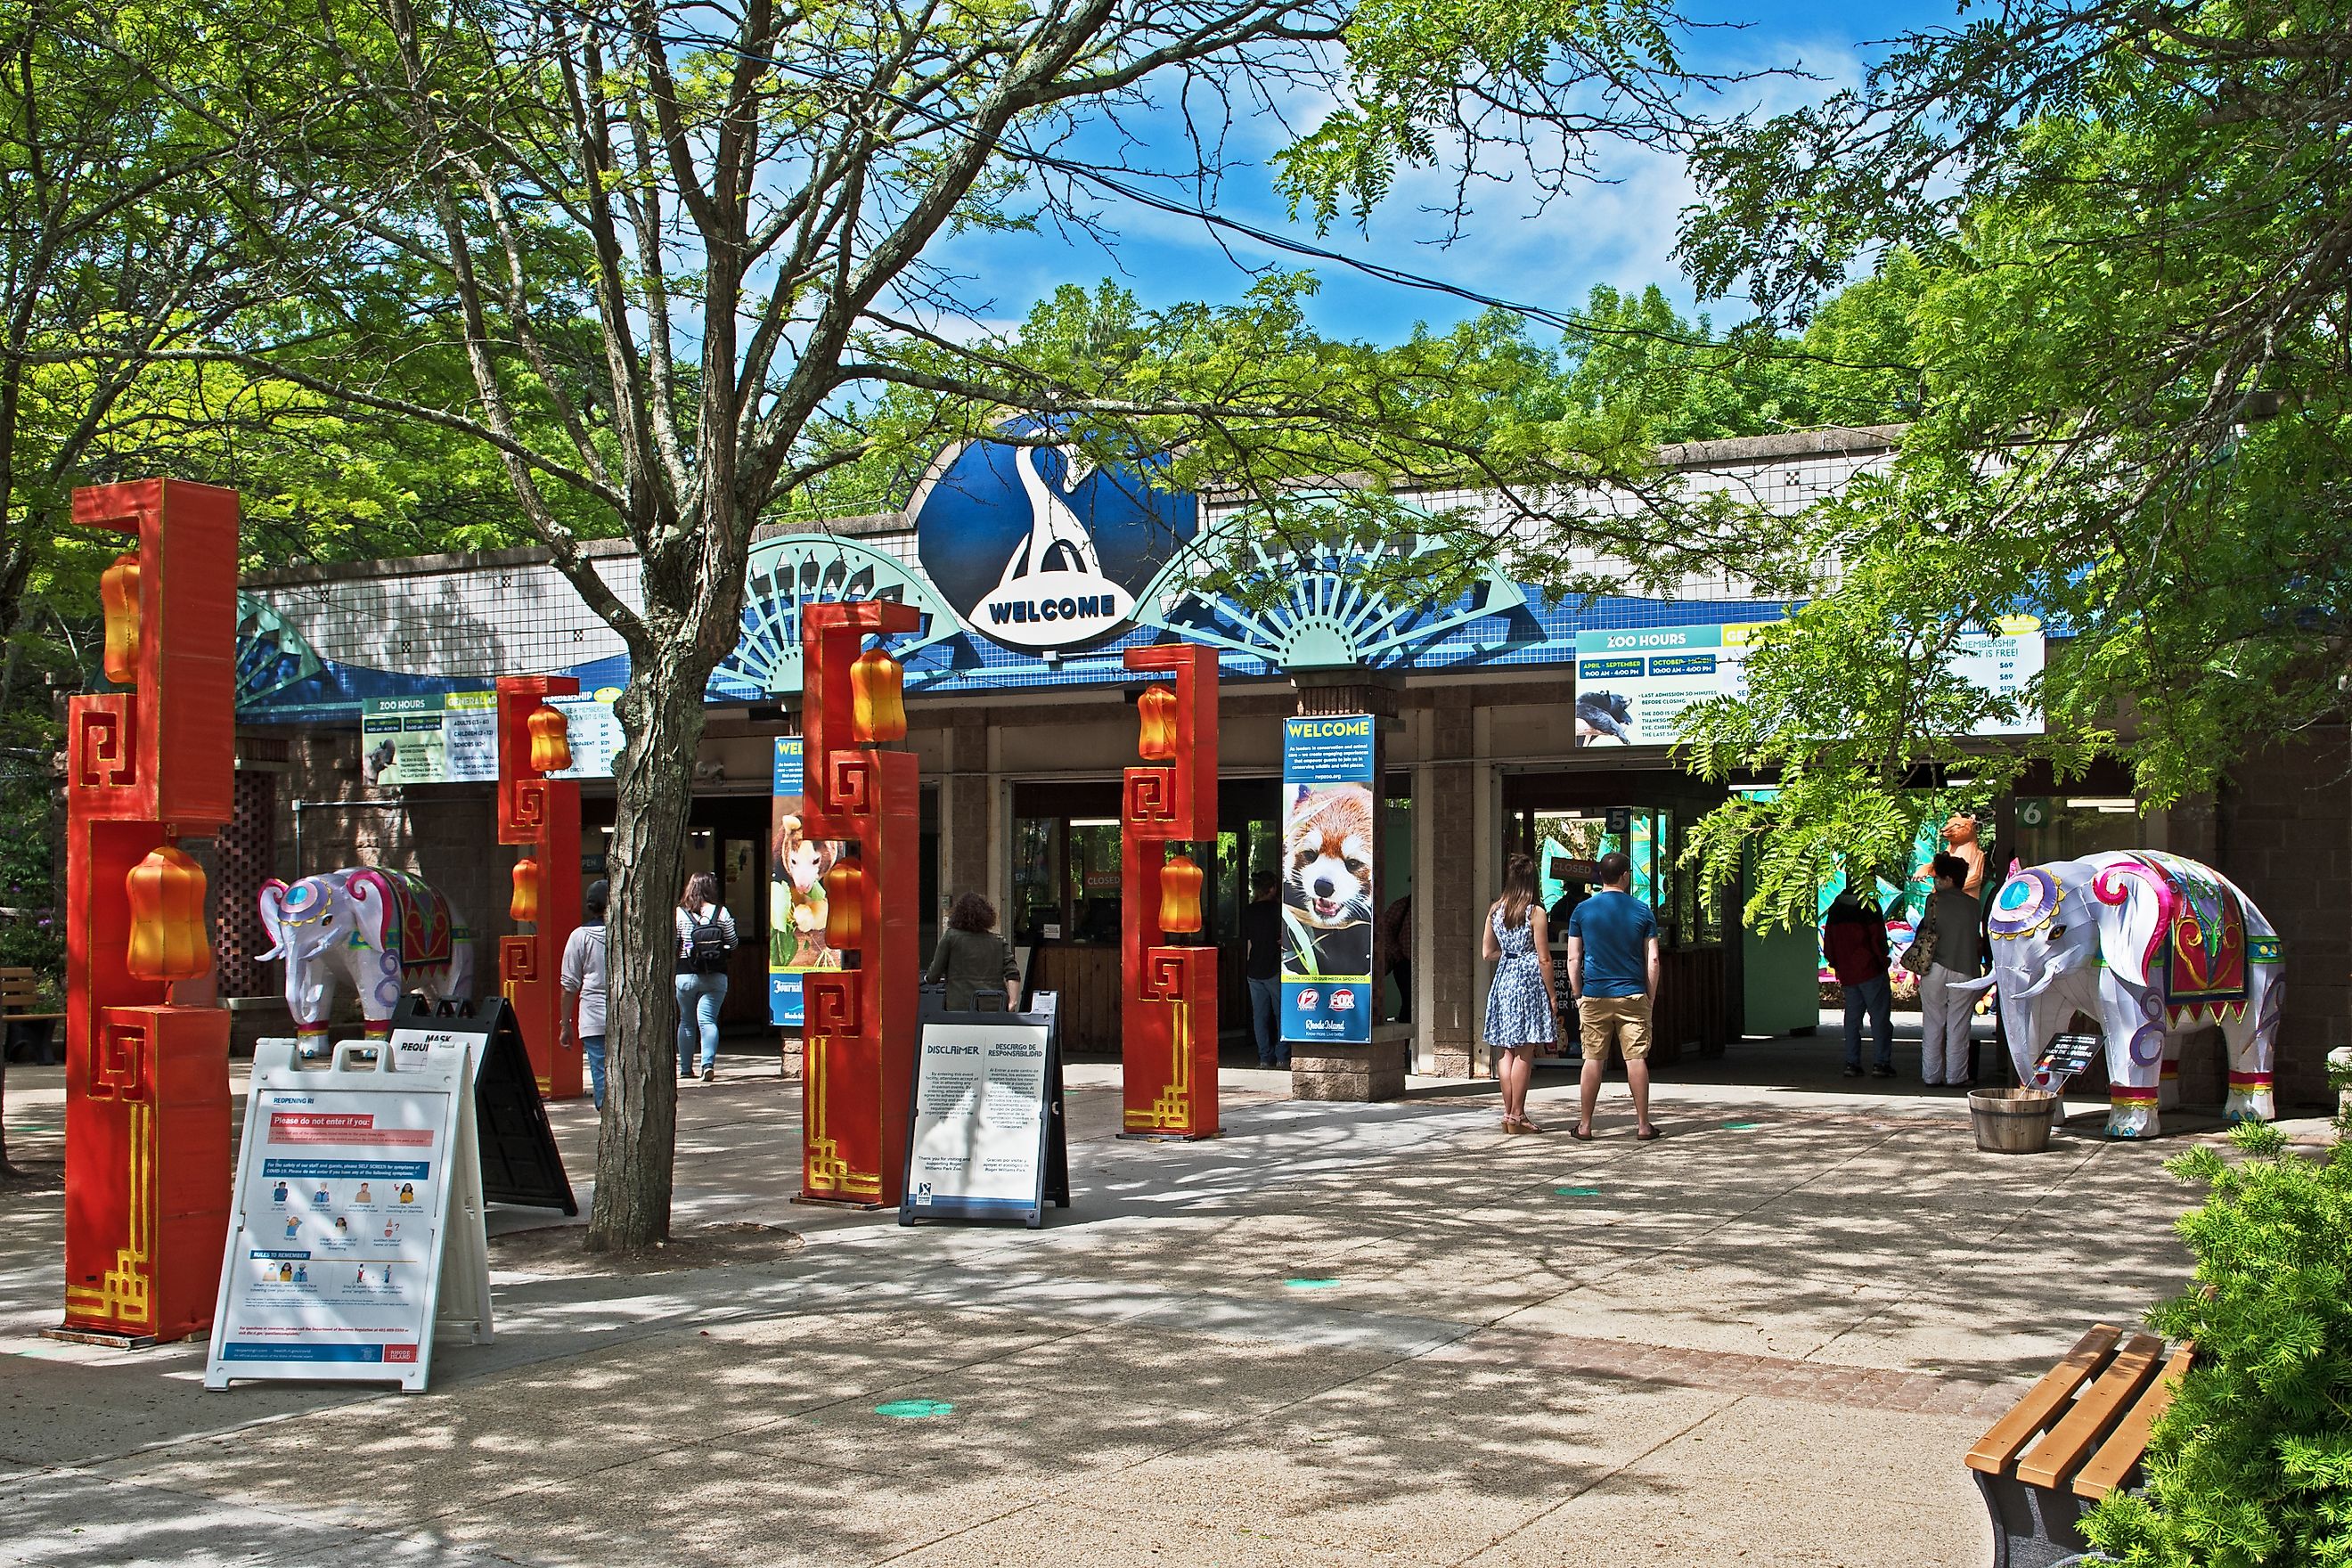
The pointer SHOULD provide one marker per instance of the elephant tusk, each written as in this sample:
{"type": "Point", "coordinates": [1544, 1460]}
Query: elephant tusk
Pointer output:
{"type": "Point", "coordinates": [1981, 983]}
{"type": "Point", "coordinates": [2050, 972]}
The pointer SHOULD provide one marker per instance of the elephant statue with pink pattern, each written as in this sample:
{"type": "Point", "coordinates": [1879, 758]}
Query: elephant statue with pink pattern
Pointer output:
{"type": "Point", "coordinates": [2152, 945]}
{"type": "Point", "coordinates": [386, 932]}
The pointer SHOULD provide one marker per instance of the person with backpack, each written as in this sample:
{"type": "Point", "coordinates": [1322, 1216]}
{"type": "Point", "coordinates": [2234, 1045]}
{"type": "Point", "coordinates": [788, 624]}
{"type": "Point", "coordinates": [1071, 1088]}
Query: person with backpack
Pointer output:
{"type": "Point", "coordinates": [706, 942]}
{"type": "Point", "coordinates": [586, 986]}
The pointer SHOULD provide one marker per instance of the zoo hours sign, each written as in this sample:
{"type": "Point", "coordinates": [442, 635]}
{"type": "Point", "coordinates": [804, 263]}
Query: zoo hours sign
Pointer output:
{"type": "Point", "coordinates": [1633, 683]}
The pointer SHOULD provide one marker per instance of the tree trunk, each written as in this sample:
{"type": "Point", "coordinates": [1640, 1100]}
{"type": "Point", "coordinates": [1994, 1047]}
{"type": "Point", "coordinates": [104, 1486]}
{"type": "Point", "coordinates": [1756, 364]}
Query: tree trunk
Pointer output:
{"type": "Point", "coordinates": [661, 712]}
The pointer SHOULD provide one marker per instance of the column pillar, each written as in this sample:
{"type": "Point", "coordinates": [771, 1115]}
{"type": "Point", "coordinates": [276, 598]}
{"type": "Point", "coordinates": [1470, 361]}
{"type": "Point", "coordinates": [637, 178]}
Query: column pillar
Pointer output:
{"type": "Point", "coordinates": [1376, 1069]}
{"type": "Point", "coordinates": [1447, 905]}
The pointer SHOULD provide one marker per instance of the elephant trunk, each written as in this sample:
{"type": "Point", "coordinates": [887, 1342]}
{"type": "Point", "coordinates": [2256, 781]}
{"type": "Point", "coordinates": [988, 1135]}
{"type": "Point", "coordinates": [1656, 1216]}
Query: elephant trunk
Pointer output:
{"type": "Point", "coordinates": [2049, 973]}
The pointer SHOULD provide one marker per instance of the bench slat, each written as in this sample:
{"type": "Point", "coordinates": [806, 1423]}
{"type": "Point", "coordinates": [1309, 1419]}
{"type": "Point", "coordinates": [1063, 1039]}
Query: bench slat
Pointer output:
{"type": "Point", "coordinates": [2055, 1457]}
{"type": "Point", "coordinates": [2123, 1448]}
{"type": "Point", "coordinates": [2042, 1402]}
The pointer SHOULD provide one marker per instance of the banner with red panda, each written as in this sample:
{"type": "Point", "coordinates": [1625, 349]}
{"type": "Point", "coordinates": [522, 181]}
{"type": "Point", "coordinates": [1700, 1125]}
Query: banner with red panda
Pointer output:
{"type": "Point", "coordinates": [1328, 879]}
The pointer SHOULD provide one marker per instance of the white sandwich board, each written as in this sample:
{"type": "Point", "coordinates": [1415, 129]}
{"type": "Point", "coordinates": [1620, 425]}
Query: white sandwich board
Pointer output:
{"type": "Point", "coordinates": [359, 1219]}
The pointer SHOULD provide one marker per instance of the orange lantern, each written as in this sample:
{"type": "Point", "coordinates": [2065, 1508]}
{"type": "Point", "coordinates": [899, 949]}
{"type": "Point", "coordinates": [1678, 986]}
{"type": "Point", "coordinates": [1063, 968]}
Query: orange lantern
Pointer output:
{"type": "Point", "coordinates": [118, 590]}
{"type": "Point", "coordinates": [550, 739]}
{"type": "Point", "coordinates": [1158, 707]}
{"type": "Point", "coordinates": [1180, 895]}
{"type": "Point", "coordinates": [168, 940]}
{"type": "Point", "coordinates": [845, 906]}
{"type": "Point", "coordinates": [877, 704]}
{"type": "Point", "coordinates": [524, 905]}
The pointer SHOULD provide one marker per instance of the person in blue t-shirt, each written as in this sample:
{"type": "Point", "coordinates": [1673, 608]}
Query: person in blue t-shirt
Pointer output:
{"type": "Point", "coordinates": [1613, 967]}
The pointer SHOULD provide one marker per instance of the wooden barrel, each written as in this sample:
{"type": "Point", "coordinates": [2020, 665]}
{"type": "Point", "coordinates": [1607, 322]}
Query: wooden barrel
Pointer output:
{"type": "Point", "coordinates": [2012, 1120]}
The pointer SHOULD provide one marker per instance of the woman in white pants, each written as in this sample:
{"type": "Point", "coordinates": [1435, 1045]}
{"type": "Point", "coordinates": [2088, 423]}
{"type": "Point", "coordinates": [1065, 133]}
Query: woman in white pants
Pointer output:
{"type": "Point", "coordinates": [1949, 929]}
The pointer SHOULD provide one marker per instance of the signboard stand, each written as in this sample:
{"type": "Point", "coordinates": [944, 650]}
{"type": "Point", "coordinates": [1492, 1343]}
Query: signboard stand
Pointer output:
{"type": "Point", "coordinates": [519, 1162]}
{"type": "Point", "coordinates": [987, 1133]}
{"type": "Point", "coordinates": [2068, 1054]}
{"type": "Point", "coordinates": [358, 1220]}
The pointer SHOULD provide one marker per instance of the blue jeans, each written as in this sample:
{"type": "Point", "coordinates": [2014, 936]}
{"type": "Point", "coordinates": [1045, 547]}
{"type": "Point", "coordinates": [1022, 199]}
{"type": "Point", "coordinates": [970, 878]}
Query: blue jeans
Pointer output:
{"type": "Point", "coordinates": [592, 1047]}
{"type": "Point", "coordinates": [1266, 1023]}
{"type": "Point", "coordinates": [1878, 996]}
{"type": "Point", "coordinates": [698, 996]}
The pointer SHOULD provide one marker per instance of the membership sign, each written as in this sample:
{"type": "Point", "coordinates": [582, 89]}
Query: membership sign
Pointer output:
{"type": "Point", "coordinates": [1634, 683]}
{"type": "Point", "coordinates": [986, 1129]}
{"type": "Point", "coordinates": [1328, 877]}
{"type": "Point", "coordinates": [358, 1192]}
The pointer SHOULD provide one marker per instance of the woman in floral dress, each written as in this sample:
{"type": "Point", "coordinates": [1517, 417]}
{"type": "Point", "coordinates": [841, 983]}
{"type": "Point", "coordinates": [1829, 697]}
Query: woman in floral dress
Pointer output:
{"type": "Point", "coordinates": [1519, 1007]}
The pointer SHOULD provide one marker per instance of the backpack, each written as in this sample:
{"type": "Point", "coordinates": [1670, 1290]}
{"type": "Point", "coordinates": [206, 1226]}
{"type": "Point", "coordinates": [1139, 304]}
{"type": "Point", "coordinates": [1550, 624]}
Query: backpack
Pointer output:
{"type": "Point", "coordinates": [707, 945]}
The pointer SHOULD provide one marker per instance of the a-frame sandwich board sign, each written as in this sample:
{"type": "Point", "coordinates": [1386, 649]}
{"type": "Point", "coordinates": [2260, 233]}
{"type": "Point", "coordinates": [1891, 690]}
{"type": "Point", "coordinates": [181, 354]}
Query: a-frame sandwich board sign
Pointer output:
{"type": "Point", "coordinates": [987, 1135]}
{"type": "Point", "coordinates": [359, 1225]}
{"type": "Point", "coordinates": [520, 1164]}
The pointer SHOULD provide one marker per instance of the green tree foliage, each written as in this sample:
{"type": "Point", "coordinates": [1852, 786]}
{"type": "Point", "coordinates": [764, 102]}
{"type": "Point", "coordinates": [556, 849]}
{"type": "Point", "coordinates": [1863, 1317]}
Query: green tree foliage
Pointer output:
{"type": "Point", "coordinates": [2252, 1465]}
{"type": "Point", "coordinates": [673, 267]}
{"type": "Point", "coordinates": [2120, 315]}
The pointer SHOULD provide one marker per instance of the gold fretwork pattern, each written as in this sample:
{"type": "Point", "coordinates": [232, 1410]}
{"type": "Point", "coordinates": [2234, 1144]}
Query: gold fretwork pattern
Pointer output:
{"type": "Point", "coordinates": [122, 1298]}
{"type": "Point", "coordinates": [827, 1170]}
{"type": "Point", "coordinates": [1173, 1108]}
{"type": "Point", "coordinates": [828, 1174]}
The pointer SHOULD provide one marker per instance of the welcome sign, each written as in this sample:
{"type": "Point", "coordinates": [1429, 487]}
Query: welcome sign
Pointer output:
{"type": "Point", "coordinates": [1037, 548]}
{"type": "Point", "coordinates": [1328, 879]}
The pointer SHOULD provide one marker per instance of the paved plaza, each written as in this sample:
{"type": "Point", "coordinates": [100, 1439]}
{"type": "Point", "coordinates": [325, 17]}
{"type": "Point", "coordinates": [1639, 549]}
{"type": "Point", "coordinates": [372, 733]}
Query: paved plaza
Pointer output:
{"type": "Point", "coordinates": [1340, 1334]}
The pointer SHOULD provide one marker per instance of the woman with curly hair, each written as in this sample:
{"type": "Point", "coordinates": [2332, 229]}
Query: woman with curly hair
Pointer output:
{"type": "Point", "coordinates": [972, 957]}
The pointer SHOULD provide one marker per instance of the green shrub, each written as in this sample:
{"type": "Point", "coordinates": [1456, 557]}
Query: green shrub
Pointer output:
{"type": "Point", "coordinates": [2253, 1463]}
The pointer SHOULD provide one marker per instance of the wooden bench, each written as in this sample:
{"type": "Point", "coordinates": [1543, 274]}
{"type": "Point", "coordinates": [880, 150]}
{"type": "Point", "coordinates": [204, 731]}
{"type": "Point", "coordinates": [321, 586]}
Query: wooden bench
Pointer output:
{"type": "Point", "coordinates": [20, 1010]}
{"type": "Point", "coordinates": [2076, 1436]}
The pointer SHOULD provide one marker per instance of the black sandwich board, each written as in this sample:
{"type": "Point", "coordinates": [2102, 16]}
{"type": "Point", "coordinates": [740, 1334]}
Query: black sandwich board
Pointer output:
{"type": "Point", "coordinates": [519, 1162]}
{"type": "Point", "coordinates": [2067, 1055]}
{"type": "Point", "coordinates": [1006, 1068]}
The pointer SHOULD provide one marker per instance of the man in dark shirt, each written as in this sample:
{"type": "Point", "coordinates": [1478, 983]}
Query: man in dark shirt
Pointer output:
{"type": "Point", "coordinates": [1854, 939]}
{"type": "Point", "coordinates": [1262, 930]}
{"type": "Point", "coordinates": [1613, 967]}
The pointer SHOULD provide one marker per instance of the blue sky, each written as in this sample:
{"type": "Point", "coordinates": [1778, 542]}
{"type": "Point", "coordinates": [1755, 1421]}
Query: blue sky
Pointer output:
{"type": "Point", "coordinates": [1620, 233]}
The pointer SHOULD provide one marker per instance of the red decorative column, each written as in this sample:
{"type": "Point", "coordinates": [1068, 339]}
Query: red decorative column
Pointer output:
{"type": "Point", "coordinates": [147, 1122]}
{"type": "Point", "coordinates": [1168, 1043]}
{"type": "Point", "coordinates": [860, 1024]}
{"type": "Point", "coordinates": [543, 815]}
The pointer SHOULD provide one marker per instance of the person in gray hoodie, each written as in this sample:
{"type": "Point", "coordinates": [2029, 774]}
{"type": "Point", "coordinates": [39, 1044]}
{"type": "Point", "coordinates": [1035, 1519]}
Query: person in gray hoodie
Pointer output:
{"type": "Point", "coordinates": [586, 987]}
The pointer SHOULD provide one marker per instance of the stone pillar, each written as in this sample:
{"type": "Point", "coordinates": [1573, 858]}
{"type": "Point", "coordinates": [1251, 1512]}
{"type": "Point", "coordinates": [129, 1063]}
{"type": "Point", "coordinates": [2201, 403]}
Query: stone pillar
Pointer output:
{"type": "Point", "coordinates": [1375, 1071]}
{"type": "Point", "coordinates": [1446, 903]}
{"type": "Point", "coordinates": [964, 812]}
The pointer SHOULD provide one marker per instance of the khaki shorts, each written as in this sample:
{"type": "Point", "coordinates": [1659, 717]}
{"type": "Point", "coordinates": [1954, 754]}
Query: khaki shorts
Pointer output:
{"type": "Point", "coordinates": [1621, 1022]}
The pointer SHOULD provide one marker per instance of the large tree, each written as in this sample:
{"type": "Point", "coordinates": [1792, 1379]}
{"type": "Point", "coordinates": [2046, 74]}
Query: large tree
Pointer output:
{"type": "Point", "coordinates": [2111, 241]}
{"type": "Point", "coordinates": [687, 260]}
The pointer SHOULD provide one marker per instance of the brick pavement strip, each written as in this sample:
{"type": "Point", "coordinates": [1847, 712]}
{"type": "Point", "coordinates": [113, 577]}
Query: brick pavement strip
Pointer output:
{"type": "Point", "coordinates": [1731, 1372]}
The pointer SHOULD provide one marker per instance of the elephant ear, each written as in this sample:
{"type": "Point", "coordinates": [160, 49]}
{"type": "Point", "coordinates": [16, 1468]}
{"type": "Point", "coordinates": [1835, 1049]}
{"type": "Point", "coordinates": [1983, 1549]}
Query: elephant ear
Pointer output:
{"type": "Point", "coordinates": [2137, 902]}
{"type": "Point", "coordinates": [273, 918]}
{"type": "Point", "coordinates": [371, 905]}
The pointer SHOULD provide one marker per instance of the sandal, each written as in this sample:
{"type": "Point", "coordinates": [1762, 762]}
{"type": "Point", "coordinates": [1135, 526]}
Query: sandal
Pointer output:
{"type": "Point", "coordinates": [1528, 1126]}
{"type": "Point", "coordinates": [1582, 1134]}
{"type": "Point", "coordinates": [1648, 1135]}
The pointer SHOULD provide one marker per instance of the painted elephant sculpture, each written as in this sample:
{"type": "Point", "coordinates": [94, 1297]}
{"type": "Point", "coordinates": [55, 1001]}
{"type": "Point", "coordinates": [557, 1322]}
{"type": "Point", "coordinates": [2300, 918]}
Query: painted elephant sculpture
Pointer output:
{"type": "Point", "coordinates": [2152, 945]}
{"type": "Point", "coordinates": [385, 931]}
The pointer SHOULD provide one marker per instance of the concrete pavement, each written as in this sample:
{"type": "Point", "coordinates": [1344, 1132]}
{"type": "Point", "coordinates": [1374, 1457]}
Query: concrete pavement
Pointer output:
{"type": "Point", "coordinates": [1340, 1333]}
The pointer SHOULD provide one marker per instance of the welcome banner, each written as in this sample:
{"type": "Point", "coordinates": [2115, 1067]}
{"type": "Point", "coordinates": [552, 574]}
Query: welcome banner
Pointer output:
{"type": "Point", "coordinates": [1328, 879]}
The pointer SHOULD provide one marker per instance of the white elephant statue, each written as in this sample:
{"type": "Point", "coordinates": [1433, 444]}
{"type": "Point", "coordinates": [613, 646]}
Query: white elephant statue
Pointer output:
{"type": "Point", "coordinates": [2153, 946]}
{"type": "Point", "coordinates": [386, 932]}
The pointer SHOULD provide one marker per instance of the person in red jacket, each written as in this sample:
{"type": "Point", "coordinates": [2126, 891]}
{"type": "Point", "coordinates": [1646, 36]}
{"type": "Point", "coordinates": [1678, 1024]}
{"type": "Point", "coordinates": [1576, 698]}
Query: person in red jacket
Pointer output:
{"type": "Point", "coordinates": [1854, 939]}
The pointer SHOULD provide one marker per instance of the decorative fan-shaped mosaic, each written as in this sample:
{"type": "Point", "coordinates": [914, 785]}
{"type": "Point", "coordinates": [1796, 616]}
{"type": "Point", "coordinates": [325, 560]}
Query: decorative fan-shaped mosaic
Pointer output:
{"type": "Point", "coordinates": [1318, 614]}
{"type": "Point", "coordinates": [270, 655]}
{"type": "Point", "coordinates": [812, 569]}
